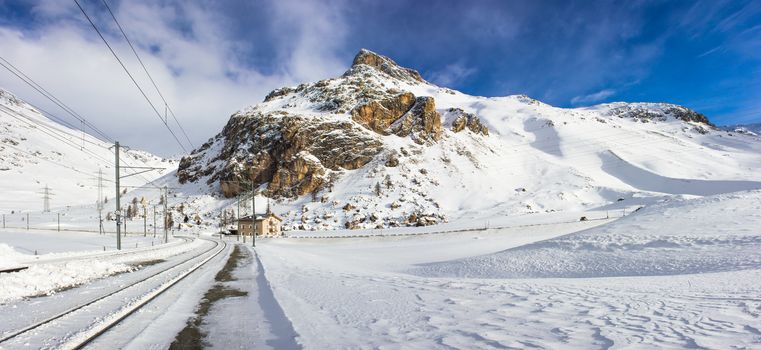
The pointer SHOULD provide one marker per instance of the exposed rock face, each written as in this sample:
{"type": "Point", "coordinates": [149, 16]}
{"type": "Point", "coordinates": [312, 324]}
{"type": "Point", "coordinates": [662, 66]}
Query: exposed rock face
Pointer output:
{"type": "Point", "coordinates": [403, 115]}
{"type": "Point", "coordinates": [459, 120]}
{"type": "Point", "coordinates": [421, 122]}
{"type": "Point", "coordinates": [378, 115]}
{"type": "Point", "coordinates": [292, 153]}
{"type": "Point", "coordinates": [303, 174]}
{"type": "Point", "coordinates": [385, 65]}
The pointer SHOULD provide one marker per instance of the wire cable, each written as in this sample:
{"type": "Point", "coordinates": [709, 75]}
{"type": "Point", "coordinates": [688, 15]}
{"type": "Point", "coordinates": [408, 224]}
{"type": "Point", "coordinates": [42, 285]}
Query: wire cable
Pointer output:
{"type": "Point", "coordinates": [130, 75]}
{"type": "Point", "coordinates": [129, 42]}
{"type": "Point", "coordinates": [29, 81]}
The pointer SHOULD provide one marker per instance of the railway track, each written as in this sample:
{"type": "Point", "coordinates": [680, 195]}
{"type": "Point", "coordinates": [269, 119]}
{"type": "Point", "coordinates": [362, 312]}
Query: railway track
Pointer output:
{"type": "Point", "coordinates": [77, 326]}
{"type": "Point", "coordinates": [107, 254]}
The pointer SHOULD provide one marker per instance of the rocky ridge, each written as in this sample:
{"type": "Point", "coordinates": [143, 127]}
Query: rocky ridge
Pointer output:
{"type": "Point", "coordinates": [295, 152]}
{"type": "Point", "coordinates": [297, 149]}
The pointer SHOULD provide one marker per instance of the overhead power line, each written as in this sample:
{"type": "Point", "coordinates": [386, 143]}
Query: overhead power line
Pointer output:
{"type": "Point", "coordinates": [142, 92]}
{"type": "Point", "coordinates": [129, 42]}
{"type": "Point", "coordinates": [29, 81]}
{"type": "Point", "coordinates": [61, 135]}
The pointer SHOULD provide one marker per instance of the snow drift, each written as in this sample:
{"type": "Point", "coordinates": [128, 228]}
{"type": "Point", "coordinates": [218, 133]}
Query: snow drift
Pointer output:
{"type": "Point", "coordinates": [710, 234]}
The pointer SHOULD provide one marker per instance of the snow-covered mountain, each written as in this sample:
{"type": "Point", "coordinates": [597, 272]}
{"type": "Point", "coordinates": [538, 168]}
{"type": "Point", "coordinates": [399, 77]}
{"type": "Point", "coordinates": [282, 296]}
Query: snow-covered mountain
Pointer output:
{"type": "Point", "coordinates": [379, 146]}
{"type": "Point", "coordinates": [749, 129]}
{"type": "Point", "coordinates": [36, 152]}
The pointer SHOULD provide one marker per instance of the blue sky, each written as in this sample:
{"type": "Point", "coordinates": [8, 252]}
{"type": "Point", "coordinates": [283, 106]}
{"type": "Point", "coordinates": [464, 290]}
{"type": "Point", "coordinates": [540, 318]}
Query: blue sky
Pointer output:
{"type": "Point", "coordinates": [705, 55]}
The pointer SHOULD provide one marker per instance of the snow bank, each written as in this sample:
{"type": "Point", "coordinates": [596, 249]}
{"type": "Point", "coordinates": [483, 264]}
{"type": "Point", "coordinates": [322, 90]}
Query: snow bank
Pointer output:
{"type": "Point", "coordinates": [711, 234]}
{"type": "Point", "coordinates": [8, 257]}
{"type": "Point", "coordinates": [48, 278]}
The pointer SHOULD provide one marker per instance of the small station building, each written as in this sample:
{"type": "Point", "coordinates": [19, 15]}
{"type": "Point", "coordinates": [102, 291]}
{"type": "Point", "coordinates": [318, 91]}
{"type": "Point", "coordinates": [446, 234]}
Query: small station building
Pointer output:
{"type": "Point", "coordinates": [268, 224]}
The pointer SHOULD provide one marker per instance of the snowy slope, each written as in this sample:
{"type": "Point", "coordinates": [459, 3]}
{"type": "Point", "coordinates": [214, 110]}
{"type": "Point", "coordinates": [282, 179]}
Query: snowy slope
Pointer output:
{"type": "Point", "coordinates": [709, 234]}
{"type": "Point", "coordinates": [682, 274]}
{"type": "Point", "coordinates": [536, 158]}
{"type": "Point", "coordinates": [36, 151]}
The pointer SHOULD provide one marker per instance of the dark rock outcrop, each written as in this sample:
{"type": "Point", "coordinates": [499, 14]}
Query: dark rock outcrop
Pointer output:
{"type": "Point", "coordinates": [292, 153]}
{"type": "Point", "coordinates": [460, 120]}
{"type": "Point", "coordinates": [403, 115]}
{"type": "Point", "coordinates": [422, 122]}
{"type": "Point", "coordinates": [378, 115]}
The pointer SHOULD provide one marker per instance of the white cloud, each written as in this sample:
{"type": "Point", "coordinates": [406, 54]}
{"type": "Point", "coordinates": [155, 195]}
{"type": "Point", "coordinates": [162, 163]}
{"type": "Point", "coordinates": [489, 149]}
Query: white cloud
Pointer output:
{"type": "Point", "coordinates": [312, 34]}
{"type": "Point", "coordinates": [593, 98]}
{"type": "Point", "coordinates": [451, 75]}
{"type": "Point", "coordinates": [196, 64]}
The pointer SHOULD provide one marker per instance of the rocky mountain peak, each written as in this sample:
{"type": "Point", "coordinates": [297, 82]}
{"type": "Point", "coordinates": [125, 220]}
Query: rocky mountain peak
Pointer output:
{"type": "Point", "coordinates": [383, 64]}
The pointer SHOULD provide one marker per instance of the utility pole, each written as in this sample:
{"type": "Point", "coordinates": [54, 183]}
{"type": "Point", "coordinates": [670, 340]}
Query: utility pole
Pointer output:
{"type": "Point", "coordinates": [145, 225]}
{"type": "Point", "coordinates": [118, 205]}
{"type": "Point", "coordinates": [253, 213]}
{"type": "Point", "coordinates": [27, 221]}
{"type": "Point", "coordinates": [59, 222]}
{"type": "Point", "coordinates": [154, 221]}
{"type": "Point", "coordinates": [99, 202]}
{"type": "Point", "coordinates": [237, 223]}
{"type": "Point", "coordinates": [166, 216]}
{"type": "Point", "coordinates": [118, 201]}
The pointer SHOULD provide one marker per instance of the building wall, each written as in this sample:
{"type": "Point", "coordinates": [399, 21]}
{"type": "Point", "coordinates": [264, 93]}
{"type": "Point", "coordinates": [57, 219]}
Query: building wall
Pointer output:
{"type": "Point", "coordinates": [245, 228]}
{"type": "Point", "coordinates": [267, 227]}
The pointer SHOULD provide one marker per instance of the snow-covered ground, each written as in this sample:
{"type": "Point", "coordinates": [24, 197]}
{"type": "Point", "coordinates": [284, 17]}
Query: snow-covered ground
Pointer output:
{"type": "Point", "coordinates": [682, 274]}
{"type": "Point", "coordinates": [49, 273]}
{"type": "Point", "coordinates": [679, 273]}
